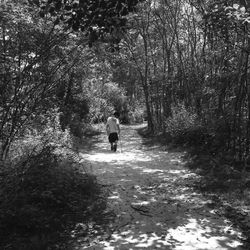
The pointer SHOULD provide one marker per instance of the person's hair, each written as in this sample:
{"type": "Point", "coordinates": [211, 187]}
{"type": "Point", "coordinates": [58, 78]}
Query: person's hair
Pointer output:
{"type": "Point", "coordinates": [116, 114]}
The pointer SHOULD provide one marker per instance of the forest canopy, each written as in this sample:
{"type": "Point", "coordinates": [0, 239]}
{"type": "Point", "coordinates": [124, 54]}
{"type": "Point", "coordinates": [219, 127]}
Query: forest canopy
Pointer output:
{"type": "Point", "coordinates": [97, 18]}
{"type": "Point", "coordinates": [183, 58]}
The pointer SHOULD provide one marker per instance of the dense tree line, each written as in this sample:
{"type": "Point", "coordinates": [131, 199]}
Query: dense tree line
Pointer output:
{"type": "Point", "coordinates": [185, 61]}
{"type": "Point", "coordinates": [47, 64]}
{"type": "Point", "coordinates": [57, 76]}
{"type": "Point", "coordinates": [191, 58]}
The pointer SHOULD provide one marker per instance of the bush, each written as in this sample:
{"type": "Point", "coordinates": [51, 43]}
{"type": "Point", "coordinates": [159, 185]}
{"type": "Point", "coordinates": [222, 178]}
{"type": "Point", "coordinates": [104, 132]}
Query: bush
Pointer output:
{"type": "Point", "coordinates": [135, 116]}
{"type": "Point", "coordinates": [100, 110]}
{"type": "Point", "coordinates": [42, 197]}
{"type": "Point", "coordinates": [43, 186]}
{"type": "Point", "coordinates": [184, 127]}
{"type": "Point", "coordinates": [45, 130]}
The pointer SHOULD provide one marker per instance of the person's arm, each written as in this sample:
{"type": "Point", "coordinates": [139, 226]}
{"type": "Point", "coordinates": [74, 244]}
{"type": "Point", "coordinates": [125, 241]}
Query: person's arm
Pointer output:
{"type": "Point", "coordinates": [107, 129]}
{"type": "Point", "coordinates": [118, 127]}
{"type": "Point", "coordinates": [119, 130]}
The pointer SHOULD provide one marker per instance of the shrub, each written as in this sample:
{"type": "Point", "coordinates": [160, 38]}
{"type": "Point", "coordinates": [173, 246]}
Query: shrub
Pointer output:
{"type": "Point", "coordinates": [184, 127]}
{"type": "Point", "coordinates": [136, 116]}
{"type": "Point", "coordinates": [44, 188]}
{"type": "Point", "coordinates": [44, 196]}
{"type": "Point", "coordinates": [100, 110]}
{"type": "Point", "coordinates": [43, 131]}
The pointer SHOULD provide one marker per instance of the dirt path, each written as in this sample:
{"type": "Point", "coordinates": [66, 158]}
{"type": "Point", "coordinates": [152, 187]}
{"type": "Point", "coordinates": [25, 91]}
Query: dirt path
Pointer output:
{"type": "Point", "coordinates": [153, 204]}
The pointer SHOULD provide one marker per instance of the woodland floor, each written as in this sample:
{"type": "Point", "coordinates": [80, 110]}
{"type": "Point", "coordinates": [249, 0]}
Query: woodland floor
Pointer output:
{"type": "Point", "coordinates": [151, 202]}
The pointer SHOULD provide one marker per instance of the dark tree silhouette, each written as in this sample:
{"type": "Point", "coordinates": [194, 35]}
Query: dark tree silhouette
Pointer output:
{"type": "Point", "coordinates": [98, 18]}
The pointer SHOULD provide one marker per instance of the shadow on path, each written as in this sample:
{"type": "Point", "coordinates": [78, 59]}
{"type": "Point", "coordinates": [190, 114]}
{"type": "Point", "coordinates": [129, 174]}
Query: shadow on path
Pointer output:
{"type": "Point", "coordinates": [152, 197]}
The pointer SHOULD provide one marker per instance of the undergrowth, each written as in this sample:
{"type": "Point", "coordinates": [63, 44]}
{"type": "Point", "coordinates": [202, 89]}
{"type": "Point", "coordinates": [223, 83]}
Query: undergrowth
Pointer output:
{"type": "Point", "coordinates": [45, 190]}
{"type": "Point", "coordinates": [219, 174]}
{"type": "Point", "coordinates": [41, 200]}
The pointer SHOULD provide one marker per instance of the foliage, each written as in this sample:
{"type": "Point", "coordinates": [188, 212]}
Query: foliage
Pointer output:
{"type": "Point", "coordinates": [43, 197]}
{"type": "Point", "coordinates": [135, 114]}
{"type": "Point", "coordinates": [74, 111]}
{"type": "Point", "coordinates": [184, 126]}
{"type": "Point", "coordinates": [195, 53]}
{"type": "Point", "coordinates": [44, 67]}
{"type": "Point", "coordinates": [43, 131]}
{"type": "Point", "coordinates": [45, 189]}
{"type": "Point", "coordinates": [105, 95]}
{"type": "Point", "coordinates": [28, 69]}
{"type": "Point", "coordinates": [101, 19]}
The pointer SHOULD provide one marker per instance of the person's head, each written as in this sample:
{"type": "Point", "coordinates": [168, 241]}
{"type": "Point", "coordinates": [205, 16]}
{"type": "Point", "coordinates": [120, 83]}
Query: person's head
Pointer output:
{"type": "Point", "coordinates": [116, 114]}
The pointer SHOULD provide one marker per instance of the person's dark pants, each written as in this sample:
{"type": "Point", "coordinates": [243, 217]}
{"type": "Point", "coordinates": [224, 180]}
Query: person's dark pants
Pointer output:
{"type": "Point", "coordinates": [113, 139]}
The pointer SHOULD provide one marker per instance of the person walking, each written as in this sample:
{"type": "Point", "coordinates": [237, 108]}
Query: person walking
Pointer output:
{"type": "Point", "coordinates": [113, 130]}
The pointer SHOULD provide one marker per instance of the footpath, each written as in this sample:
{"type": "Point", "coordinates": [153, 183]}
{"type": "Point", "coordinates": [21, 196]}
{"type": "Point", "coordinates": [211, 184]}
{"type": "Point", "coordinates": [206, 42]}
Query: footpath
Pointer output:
{"type": "Point", "coordinates": [151, 202]}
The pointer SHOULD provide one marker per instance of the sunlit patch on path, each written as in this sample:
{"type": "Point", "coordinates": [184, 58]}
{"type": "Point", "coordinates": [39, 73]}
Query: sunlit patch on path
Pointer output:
{"type": "Point", "coordinates": [154, 207]}
{"type": "Point", "coordinates": [119, 158]}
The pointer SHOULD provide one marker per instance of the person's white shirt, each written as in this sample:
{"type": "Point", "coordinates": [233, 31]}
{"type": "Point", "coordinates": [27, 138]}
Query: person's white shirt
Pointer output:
{"type": "Point", "coordinates": [112, 125]}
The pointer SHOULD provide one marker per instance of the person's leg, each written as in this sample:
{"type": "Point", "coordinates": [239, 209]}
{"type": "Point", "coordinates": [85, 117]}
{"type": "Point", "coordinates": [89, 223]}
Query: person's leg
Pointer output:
{"type": "Point", "coordinates": [112, 139]}
{"type": "Point", "coordinates": [111, 142]}
{"type": "Point", "coordinates": [115, 146]}
{"type": "Point", "coordinates": [116, 141]}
